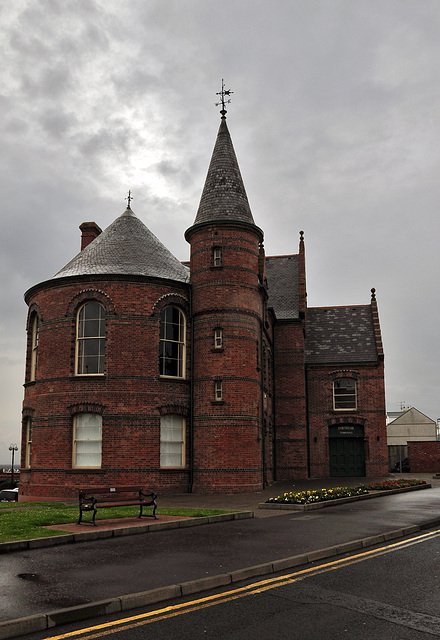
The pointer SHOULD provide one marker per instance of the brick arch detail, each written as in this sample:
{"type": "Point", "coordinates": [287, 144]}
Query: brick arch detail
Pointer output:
{"type": "Point", "coordinates": [170, 299]}
{"type": "Point", "coordinates": [33, 309]}
{"type": "Point", "coordinates": [177, 409]}
{"type": "Point", "coordinates": [86, 407]}
{"type": "Point", "coordinates": [344, 373]}
{"type": "Point", "coordinates": [347, 420]}
{"type": "Point", "coordinates": [89, 295]}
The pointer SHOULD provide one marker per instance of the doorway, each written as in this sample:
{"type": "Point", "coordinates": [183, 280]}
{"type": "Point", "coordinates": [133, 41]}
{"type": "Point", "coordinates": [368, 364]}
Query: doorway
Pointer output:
{"type": "Point", "coordinates": [346, 451]}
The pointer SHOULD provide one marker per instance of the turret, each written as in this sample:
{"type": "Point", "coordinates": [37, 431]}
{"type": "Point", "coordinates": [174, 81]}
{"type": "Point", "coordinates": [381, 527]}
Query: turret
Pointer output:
{"type": "Point", "coordinates": [227, 312]}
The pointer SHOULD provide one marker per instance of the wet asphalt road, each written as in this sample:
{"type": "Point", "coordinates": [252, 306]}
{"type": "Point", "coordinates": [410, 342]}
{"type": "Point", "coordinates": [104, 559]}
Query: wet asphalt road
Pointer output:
{"type": "Point", "coordinates": [43, 580]}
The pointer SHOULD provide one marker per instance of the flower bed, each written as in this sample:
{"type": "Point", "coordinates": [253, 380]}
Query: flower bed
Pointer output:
{"type": "Point", "coordinates": [394, 484]}
{"type": "Point", "coordinates": [318, 495]}
{"type": "Point", "coordinates": [323, 495]}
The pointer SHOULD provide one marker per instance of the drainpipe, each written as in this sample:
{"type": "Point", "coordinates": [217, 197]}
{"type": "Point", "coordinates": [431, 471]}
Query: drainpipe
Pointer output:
{"type": "Point", "coordinates": [263, 431]}
{"type": "Point", "coordinates": [274, 411]}
{"type": "Point", "coordinates": [307, 420]}
{"type": "Point", "coordinates": [191, 410]}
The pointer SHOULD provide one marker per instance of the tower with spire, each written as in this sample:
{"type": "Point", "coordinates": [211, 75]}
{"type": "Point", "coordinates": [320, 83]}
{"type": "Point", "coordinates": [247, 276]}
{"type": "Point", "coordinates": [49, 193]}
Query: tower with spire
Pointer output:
{"type": "Point", "coordinates": [228, 306]}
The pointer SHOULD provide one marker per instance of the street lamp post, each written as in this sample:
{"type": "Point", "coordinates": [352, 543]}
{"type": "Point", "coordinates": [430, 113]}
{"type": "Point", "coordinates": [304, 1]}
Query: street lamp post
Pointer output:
{"type": "Point", "coordinates": [13, 448]}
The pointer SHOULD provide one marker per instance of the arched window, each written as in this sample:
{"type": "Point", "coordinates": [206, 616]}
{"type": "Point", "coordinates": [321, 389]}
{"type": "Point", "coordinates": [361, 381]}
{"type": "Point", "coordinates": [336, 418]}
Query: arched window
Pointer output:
{"type": "Point", "coordinates": [34, 347]}
{"type": "Point", "coordinates": [90, 339]}
{"type": "Point", "coordinates": [344, 394]}
{"type": "Point", "coordinates": [87, 440]}
{"type": "Point", "coordinates": [172, 343]}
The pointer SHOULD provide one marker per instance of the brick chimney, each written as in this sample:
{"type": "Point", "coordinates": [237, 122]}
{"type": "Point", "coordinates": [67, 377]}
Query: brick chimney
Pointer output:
{"type": "Point", "coordinates": [89, 231]}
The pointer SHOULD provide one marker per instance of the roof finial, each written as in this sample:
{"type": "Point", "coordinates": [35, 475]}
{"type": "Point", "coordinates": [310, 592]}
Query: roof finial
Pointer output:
{"type": "Point", "coordinates": [129, 198]}
{"type": "Point", "coordinates": [224, 92]}
{"type": "Point", "coordinates": [373, 294]}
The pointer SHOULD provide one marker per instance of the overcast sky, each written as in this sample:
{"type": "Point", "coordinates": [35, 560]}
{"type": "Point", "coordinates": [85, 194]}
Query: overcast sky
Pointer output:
{"type": "Point", "coordinates": [334, 119]}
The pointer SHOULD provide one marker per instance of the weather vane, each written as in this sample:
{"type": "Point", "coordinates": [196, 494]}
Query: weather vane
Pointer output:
{"type": "Point", "coordinates": [223, 102]}
{"type": "Point", "coordinates": [129, 199]}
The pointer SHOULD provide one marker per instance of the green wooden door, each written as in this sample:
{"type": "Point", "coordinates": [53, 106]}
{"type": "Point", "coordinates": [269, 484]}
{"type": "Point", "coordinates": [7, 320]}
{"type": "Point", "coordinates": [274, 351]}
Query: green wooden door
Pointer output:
{"type": "Point", "coordinates": [347, 457]}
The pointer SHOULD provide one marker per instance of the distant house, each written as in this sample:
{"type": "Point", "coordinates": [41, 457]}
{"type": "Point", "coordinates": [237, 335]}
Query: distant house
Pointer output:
{"type": "Point", "coordinates": [409, 426]}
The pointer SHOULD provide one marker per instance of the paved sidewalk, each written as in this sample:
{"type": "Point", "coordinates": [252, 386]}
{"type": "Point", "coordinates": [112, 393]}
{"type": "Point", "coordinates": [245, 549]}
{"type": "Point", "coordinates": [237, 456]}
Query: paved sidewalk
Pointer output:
{"type": "Point", "coordinates": [54, 585]}
{"type": "Point", "coordinates": [251, 501]}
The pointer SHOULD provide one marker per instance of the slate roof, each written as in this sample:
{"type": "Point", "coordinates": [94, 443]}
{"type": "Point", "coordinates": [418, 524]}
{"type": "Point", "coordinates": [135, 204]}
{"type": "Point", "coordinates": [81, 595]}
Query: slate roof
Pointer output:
{"type": "Point", "coordinates": [126, 247]}
{"type": "Point", "coordinates": [340, 334]}
{"type": "Point", "coordinates": [282, 280]}
{"type": "Point", "coordinates": [224, 196]}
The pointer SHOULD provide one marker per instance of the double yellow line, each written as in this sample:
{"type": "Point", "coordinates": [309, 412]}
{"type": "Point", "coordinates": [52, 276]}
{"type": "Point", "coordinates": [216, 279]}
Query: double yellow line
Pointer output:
{"type": "Point", "coordinates": [107, 628]}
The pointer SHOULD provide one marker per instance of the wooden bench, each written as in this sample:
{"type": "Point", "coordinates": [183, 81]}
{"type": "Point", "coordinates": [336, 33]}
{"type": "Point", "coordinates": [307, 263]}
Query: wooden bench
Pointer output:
{"type": "Point", "coordinates": [94, 498]}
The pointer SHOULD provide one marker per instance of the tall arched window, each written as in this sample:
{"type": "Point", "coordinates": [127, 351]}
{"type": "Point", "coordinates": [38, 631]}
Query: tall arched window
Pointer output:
{"type": "Point", "coordinates": [172, 343]}
{"type": "Point", "coordinates": [34, 346]}
{"type": "Point", "coordinates": [90, 339]}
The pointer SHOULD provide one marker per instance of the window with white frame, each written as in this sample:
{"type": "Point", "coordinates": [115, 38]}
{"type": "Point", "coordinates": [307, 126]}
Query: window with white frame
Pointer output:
{"type": "Point", "coordinates": [34, 347]}
{"type": "Point", "coordinates": [344, 394]}
{"type": "Point", "coordinates": [172, 343]}
{"type": "Point", "coordinates": [28, 443]}
{"type": "Point", "coordinates": [218, 391]}
{"type": "Point", "coordinates": [172, 441]}
{"type": "Point", "coordinates": [217, 256]}
{"type": "Point", "coordinates": [90, 339]}
{"type": "Point", "coordinates": [218, 338]}
{"type": "Point", "coordinates": [87, 440]}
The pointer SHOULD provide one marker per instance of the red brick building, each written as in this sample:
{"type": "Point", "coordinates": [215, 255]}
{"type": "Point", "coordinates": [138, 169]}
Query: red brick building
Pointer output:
{"type": "Point", "coordinates": [207, 376]}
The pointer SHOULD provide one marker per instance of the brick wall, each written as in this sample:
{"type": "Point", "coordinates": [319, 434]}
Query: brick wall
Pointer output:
{"type": "Point", "coordinates": [424, 457]}
{"type": "Point", "coordinates": [272, 421]}
{"type": "Point", "coordinates": [290, 401]}
{"type": "Point", "coordinates": [369, 414]}
{"type": "Point", "coordinates": [130, 395]}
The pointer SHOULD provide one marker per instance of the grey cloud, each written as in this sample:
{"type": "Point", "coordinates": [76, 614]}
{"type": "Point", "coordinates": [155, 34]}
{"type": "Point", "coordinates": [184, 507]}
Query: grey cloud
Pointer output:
{"type": "Point", "coordinates": [56, 123]}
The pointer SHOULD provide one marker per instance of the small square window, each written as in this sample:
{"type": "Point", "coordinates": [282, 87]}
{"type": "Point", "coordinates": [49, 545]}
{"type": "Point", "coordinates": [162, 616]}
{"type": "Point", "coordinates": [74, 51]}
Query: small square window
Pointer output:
{"type": "Point", "coordinates": [218, 338]}
{"type": "Point", "coordinates": [218, 391]}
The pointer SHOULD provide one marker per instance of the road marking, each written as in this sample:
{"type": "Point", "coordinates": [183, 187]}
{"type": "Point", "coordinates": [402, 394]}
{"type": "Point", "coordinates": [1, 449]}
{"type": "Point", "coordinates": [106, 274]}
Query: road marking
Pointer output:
{"type": "Point", "coordinates": [171, 611]}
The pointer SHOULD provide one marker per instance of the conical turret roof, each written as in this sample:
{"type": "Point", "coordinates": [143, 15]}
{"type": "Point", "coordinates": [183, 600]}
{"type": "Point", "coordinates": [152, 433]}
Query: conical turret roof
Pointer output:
{"type": "Point", "coordinates": [224, 197]}
{"type": "Point", "coordinates": [126, 247]}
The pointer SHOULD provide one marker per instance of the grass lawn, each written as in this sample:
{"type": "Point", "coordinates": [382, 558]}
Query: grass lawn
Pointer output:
{"type": "Point", "coordinates": [25, 521]}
